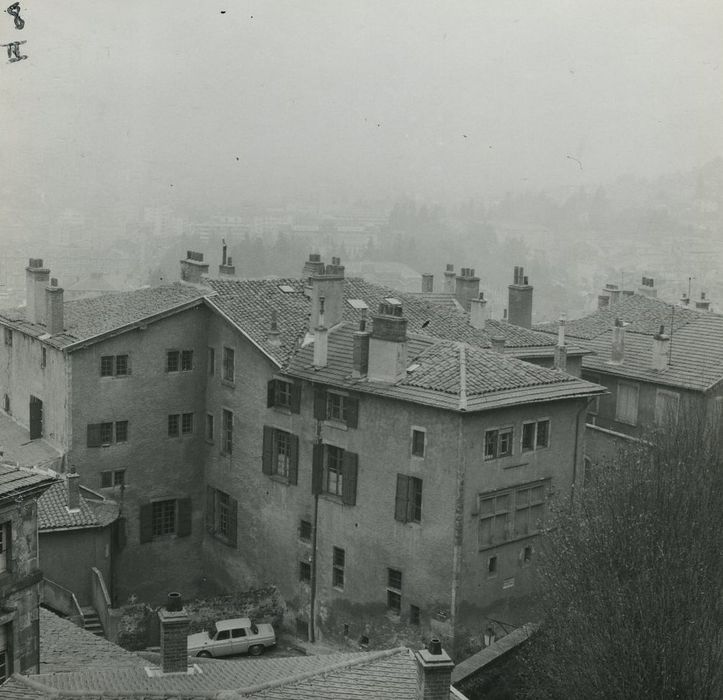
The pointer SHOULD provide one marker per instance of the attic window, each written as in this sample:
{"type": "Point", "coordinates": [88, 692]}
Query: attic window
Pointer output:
{"type": "Point", "coordinates": [358, 304]}
{"type": "Point", "coordinates": [287, 289]}
{"type": "Point", "coordinates": [411, 368]}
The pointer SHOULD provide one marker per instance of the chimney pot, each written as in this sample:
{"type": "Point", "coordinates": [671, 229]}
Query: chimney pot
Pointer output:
{"type": "Point", "coordinates": [519, 300]}
{"type": "Point", "coordinates": [435, 646]}
{"type": "Point", "coordinates": [55, 318]}
{"type": "Point", "coordinates": [174, 602]}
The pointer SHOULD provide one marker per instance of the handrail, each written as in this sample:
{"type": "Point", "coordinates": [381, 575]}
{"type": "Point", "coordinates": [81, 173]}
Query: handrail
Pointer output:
{"type": "Point", "coordinates": [75, 609]}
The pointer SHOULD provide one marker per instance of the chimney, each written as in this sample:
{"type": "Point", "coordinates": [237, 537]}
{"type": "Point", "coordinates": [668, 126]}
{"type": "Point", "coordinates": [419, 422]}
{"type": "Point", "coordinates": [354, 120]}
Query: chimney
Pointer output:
{"type": "Point", "coordinates": [661, 350]}
{"type": "Point", "coordinates": [36, 280]}
{"type": "Point", "coordinates": [434, 672]}
{"type": "Point", "coordinates": [561, 348]}
{"type": "Point", "coordinates": [647, 287]}
{"type": "Point", "coordinates": [226, 267]}
{"type": "Point", "coordinates": [612, 291]}
{"type": "Point", "coordinates": [174, 635]}
{"type": "Point", "coordinates": [498, 343]}
{"type": "Point", "coordinates": [685, 300]}
{"type": "Point", "coordinates": [73, 491]}
{"type": "Point", "coordinates": [520, 300]}
{"type": "Point", "coordinates": [478, 312]}
{"type": "Point", "coordinates": [703, 304]}
{"type": "Point", "coordinates": [388, 343]}
{"type": "Point", "coordinates": [328, 282]}
{"type": "Point", "coordinates": [449, 277]}
{"type": "Point", "coordinates": [466, 287]}
{"type": "Point", "coordinates": [313, 266]}
{"type": "Point", "coordinates": [321, 338]}
{"type": "Point", "coordinates": [193, 267]}
{"type": "Point", "coordinates": [360, 358]}
{"type": "Point", "coordinates": [54, 307]}
{"type": "Point", "coordinates": [603, 302]}
{"type": "Point", "coordinates": [617, 352]}
{"type": "Point", "coordinates": [273, 335]}
{"type": "Point", "coordinates": [427, 282]}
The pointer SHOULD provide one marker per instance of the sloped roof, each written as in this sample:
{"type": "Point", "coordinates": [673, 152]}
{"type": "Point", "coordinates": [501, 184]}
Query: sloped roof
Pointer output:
{"type": "Point", "coordinates": [19, 482]}
{"type": "Point", "coordinates": [86, 318]}
{"type": "Point", "coordinates": [444, 373]}
{"type": "Point", "coordinates": [53, 513]}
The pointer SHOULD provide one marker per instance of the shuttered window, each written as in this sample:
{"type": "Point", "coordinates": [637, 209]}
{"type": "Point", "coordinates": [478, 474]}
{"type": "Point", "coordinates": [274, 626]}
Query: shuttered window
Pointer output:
{"type": "Point", "coordinates": [284, 394]}
{"type": "Point", "coordinates": [222, 516]}
{"type": "Point", "coordinates": [335, 471]}
{"type": "Point", "coordinates": [280, 454]}
{"type": "Point", "coordinates": [626, 408]}
{"type": "Point", "coordinates": [339, 408]}
{"type": "Point", "coordinates": [164, 518]}
{"type": "Point", "coordinates": [408, 500]}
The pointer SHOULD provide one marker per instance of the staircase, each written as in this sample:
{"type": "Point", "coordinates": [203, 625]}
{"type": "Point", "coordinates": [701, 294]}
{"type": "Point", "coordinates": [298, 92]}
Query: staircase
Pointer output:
{"type": "Point", "coordinates": [91, 621]}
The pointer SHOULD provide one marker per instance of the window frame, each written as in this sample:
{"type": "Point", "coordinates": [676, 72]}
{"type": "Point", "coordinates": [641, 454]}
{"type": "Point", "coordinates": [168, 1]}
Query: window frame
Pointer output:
{"type": "Point", "coordinates": [222, 516]}
{"type": "Point", "coordinates": [304, 571]}
{"type": "Point", "coordinates": [414, 447]}
{"type": "Point", "coordinates": [228, 372]}
{"type": "Point", "coordinates": [305, 525]}
{"type": "Point", "coordinates": [210, 428]}
{"type": "Point", "coordinates": [187, 422]}
{"type": "Point", "coordinates": [164, 518]}
{"type": "Point", "coordinates": [115, 477]}
{"type": "Point", "coordinates": [211, 361]}
{"type": "Point", "coordinates": [8, 333]}
{"type": "Point", "coordinates": [173, 361]}
{"type": "Point", "coordinates": [338, 568]}
{"type": "Point", "coordinates": [346, 482]}
{"type": "Point", "coordinates": [6, 546]}
{"type": "Point", "coordinates": [621, 384]}
{"type": "Point", "coordinates": [408, 499]}
{"type": "Point", "coordinates": [227, 422]}
{"type": "Point", "coordinates": [534, 425]}
{"type": "Point", "coordinates": [494, 438]}
{"type": "Point", "coordinates": [174, 425]}
{"type": "Point", "coordinates": [394, 591]}
{"type": "Point", "coordinates": [186, 361]}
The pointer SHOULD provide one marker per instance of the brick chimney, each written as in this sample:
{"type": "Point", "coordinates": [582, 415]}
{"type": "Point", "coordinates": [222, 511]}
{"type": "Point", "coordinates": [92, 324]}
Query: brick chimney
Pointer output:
{"type": "Point", "coordinates": [661, 350]}
{"type": "Point", "coordinates": [702, 304]}
{"type": "Point", "coordinates": [313, 266]}
{"type": "Point", "coordinates": [36, 280]}
{"type": "Point", "coordinates": [617, 351]}
{"type": "Point", "coordinates": [54, 308]}
{"type": "Point", "coordinates": [73, 491]}
{"type": "Point", "coordinates": [193, 267]}
{"type": "Point", "coordinates": [360, 358]}
{"type": "Point", "coordinates": [561, 348]}
{"type": "Point", "coordinates": [321, 337]}
{"type": "Point", "coordinates": [647, 287]}
{"type": "Point", "coordinates": [520, 300]}
{"type": "Point", "coordinates": [226, 267]}
{"type": "Point", "coordinates": [388, 343]}
{"type": "Point", "coordinates": [434, 672]}
{"type": "Point", "coordinates": [427, 282]}
{"type": "Point", "coordinates": [327, 283]}
{"type": "Point", "coordinates": [498, 343]}
{"type": "Point", "coordinates": [174, 635]}
{"type": "Point", "coordinates": [466, 287]}
{"type": "Point", "coordinates": [478, 312]}
{"type": "Point", "coordinates": [449, 279]}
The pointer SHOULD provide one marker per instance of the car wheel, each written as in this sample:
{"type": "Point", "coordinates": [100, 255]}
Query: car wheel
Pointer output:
{"type": "Point", "coordinates": [204, 654]}
{"type": "Point", "coordinates": [256, 650]}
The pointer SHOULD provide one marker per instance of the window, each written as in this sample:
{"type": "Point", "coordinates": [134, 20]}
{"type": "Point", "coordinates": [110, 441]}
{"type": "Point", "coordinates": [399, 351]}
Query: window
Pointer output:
{"type": "Point", "coordinates": [337, 570]}
{"type": "Point", "coordinates": [43, 357]}
{"type": "Point", "coordinates": [229, 366]}
{"type": "Point", "coordinates": [164, 518]}
{"type": "Point", "coordinates": [121, 431]}
{"type": "Point", "coordinates": [227, 432]}
{"type": "Point", "coordinates": [283, 394]}
{"type": "Point", "coordinates": [179, 360]}
{"type": "Point", "coordinates": [594, 406]}
{"type": "Point", "coordinates": [418, 442]}
{"type": "Point", "coordinates": [9, 337]}
{"type": "Point", "coordinates": [6, 403]}
{"type": "Point", "coordinates": [114, 366]}
{"type": "Point", "coordinates": [115, 477]}
{"type": "Point", "coordinates": [334, 471]}
{"type": "Point", "coordinates": [106, 366]}
{"type": "Point", "coordinates": [492, 567]}
{"type": "Point", "coordinates": [507, 515]}
{"type": "Point", "coordinates": [526, 555]}
{"type": "Point", "coordinates": [414, 615]}
{"type": "Point", "coordinates": [498, 443]}
{"type": "Point", "coordinates": [304, 571]}
{"type": "Point", "coordinates": [173, 425]}
{"type": "Point", "coordinates": [329, 405]}
{"type": "Point", "coordinates": [408, 501]}
{"type": "Point", "coordinates": [106, 433]}
{"type": "Point", "coordinates": [186, 423]}
{"type": "Point", "coordinates": [102, 434]}
{"type": "Point", "coordinates": [209, 427]}
{"type": "Point", "coordinates": [535, 435]}
{"type": "Point", "coordinates": [222, 516]}
{"type": "Point", "coordinates": [172, 361]}
{"type": "Point", "coordinates": [211, 361]}
{"type": "Point", "coordinates": [626, 408]}
{"type": "Point", "coordinates": [305, 530]}
{"type": "Point", "coordinates": [280, 454]}
{"type": "Point", "coordinates": [5, 657]}
{"type": "Point", "coordinates": [186, 360]}
{"type": "Point", "coordinates": [122, 367]}
{"type": "Point", "coordinates": [666, 407]}
{"type": "Point", "coordinates": [394, 591]}
{"type": "Point", "coordinates": [180, 424]}
{"type": "Point", "coordinates": [5, 539]}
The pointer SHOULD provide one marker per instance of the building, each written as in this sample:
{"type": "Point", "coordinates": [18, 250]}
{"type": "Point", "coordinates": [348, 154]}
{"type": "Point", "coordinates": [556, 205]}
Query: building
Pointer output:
{"type": "Point", "coordinates": [243, 458]}
{"type": "Point", "coordinates": [20, 575]}
{"type": "Point", "coordinates": [656, 360]}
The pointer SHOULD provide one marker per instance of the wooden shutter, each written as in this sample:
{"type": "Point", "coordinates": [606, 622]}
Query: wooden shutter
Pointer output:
{"type": "Point", "coordinates": [183, 528]}
{"type": "Point", "coordinates": [319, 403]}
{"type": "Point", "coordinates": [317, 469]}
{"type": "Point", "coordinates": [294, 459]}
{"type": "Point", "coordinates": [401, 498]}
{"type": "Point", "coordinates": [295, 402]}
{"type": "Point", "coordinates": [146, 522]}
{"type": "Point", "coordinates": [349, 472]}
{"type": "Point", "coordinates": [118, 530]}
{"type": "Point", "coordinates": [271, 394]}
{"type": "Point", "coordinates": [352, 411]}
{"type": "Point", "coordinates": [267, 455]}
{"type": "Point", "coordinates": [233, 522]}
{"type": "Point", "coordinates": [210, 509]}
{"type": "Point", "coordinates": [94, 435]}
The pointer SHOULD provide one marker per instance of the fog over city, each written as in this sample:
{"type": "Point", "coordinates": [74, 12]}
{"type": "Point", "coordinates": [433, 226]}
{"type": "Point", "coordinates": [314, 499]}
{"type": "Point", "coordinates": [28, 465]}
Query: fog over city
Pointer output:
{"type": "Point", "coordinates": [547, 121]}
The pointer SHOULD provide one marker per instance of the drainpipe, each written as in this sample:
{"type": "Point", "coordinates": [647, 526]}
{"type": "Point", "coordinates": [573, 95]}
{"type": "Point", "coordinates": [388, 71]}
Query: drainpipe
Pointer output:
{"type": "Point", "coordinates": [314, 528]}
{"type": "Point", "coordinates": [458, 528]}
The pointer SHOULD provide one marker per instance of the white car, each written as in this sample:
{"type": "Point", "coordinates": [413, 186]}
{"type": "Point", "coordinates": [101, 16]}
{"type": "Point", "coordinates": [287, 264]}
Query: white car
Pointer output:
{"type": "Point", "coordinates": [229, 637]}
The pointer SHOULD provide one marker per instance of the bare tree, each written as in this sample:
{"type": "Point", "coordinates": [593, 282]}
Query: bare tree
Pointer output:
{"type": "Point", "coordinates": [632, 576]}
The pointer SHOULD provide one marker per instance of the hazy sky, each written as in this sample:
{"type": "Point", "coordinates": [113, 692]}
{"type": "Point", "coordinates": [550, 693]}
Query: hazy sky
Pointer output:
{"type": "Point", "coordinates": [184, 103]}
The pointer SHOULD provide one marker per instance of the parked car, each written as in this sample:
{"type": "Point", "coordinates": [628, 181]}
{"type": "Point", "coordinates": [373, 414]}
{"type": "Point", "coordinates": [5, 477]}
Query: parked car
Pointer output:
{"type": "Point", "coordinates": [227, 637]}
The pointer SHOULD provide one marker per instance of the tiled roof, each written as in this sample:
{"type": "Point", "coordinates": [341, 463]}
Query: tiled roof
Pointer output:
{"type": "Point", "coordinates": [18, 448]}
{"type": "Point", "coordinates": [53, 513]}
{"type": "Point", "coordinates": [19, 482]}
{"type": "Point", "coordinates": [249, 303]}
{"type": "Point", "coordinates": [446, 374]}
{"type": "Point", "coordinates": [87, 318]}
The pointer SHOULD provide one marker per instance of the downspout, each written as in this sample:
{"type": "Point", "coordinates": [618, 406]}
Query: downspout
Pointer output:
{"type": "Point", "coordinates": [314, 527]}
{"type": "Point", "coordinates": [458, 529]}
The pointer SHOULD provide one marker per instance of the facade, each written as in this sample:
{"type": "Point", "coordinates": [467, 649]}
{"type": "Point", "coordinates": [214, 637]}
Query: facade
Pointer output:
{"type": "Point", "coordinates": [20, 575]}
{"type": "Point", "coordinates": [408, 496]}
